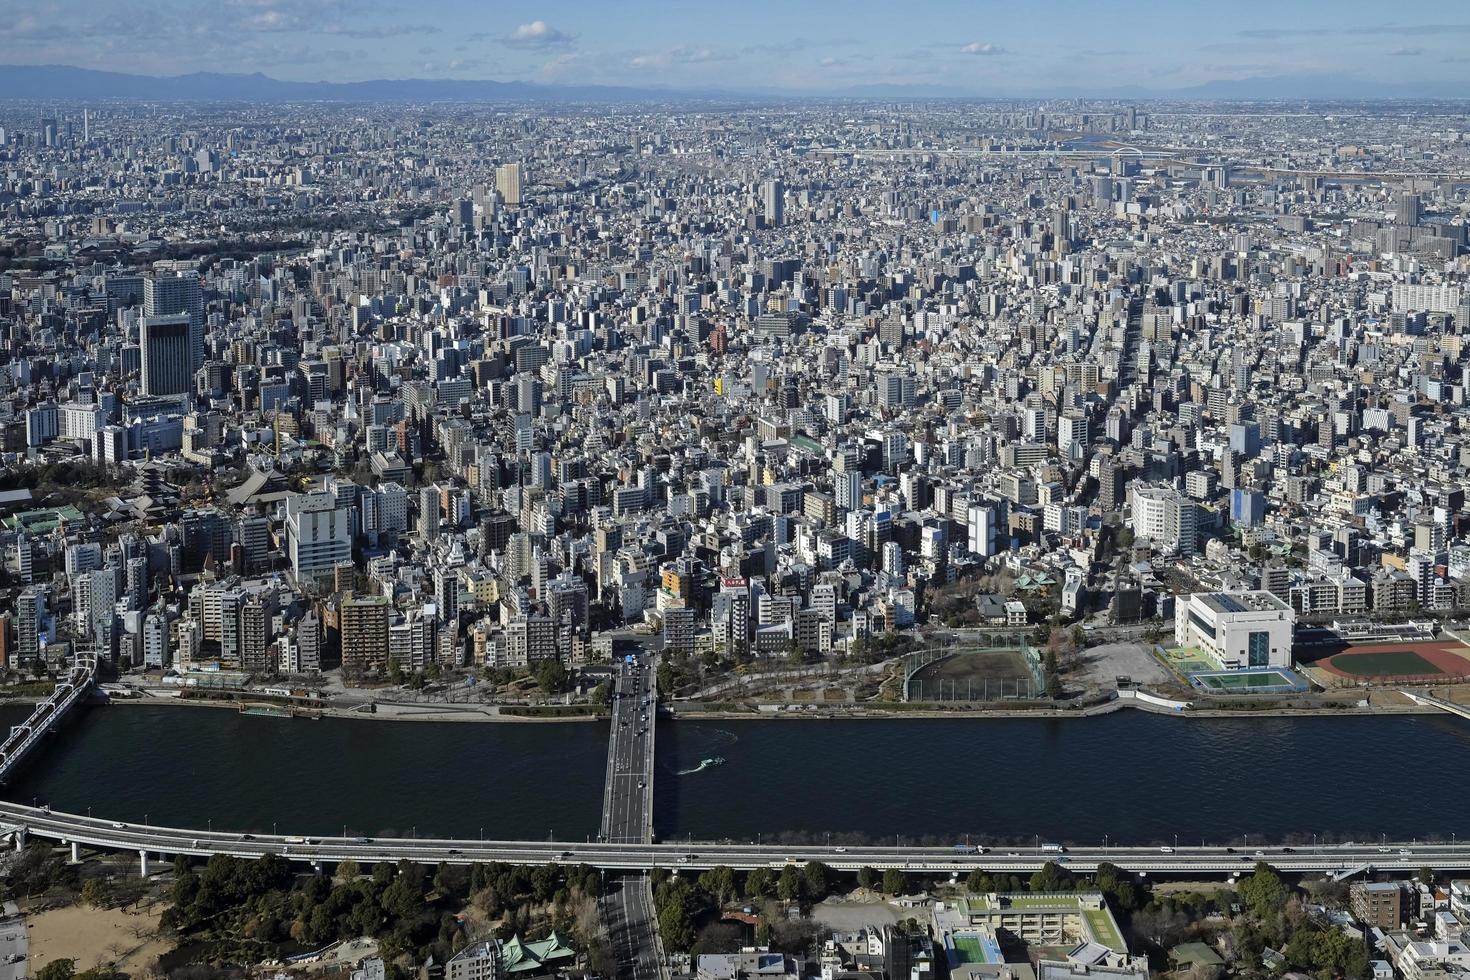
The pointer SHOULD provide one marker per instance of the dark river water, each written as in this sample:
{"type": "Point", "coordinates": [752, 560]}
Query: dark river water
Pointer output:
{"type": "Point", "coordinates": [1134, 777]}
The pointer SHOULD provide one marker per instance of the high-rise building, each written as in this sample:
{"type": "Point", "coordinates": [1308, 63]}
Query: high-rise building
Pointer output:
{"type": "Point", "coordinates": [730, 616]}
{"type": "Point", "coordinates": [166, 295]}
{"type": "Point", "coordinates": [508, 177]}
{"type": "Point", "coordinates": [429, 499]}
{"type": "Point", "coordinates": [30, 620]}
{"type": "Point", "coordinates": [256, 635]}
{"type": "Point", "coordinates": [446, 596]}
{"type": "Point", "coordinates": [773, 203]}
{"type": "Point", "coordinates": [155, 641]}
{"type": "Point", "coordinates": [308, 646]}
{"type": "Point", "coordinates": [318, 536]}
{"type": "Point", "coordinates": [364, 630]}
{"type": "Point", "coordinates": [165, 354]}
{"type": "Point", "coordinates": [1165, 518]}
{"type": "Point", "coordinates": [1406, 209]}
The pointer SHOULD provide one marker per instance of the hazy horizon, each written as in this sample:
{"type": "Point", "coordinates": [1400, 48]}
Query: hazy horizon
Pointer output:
{"type": "Point", "coordinates": [972, 47]}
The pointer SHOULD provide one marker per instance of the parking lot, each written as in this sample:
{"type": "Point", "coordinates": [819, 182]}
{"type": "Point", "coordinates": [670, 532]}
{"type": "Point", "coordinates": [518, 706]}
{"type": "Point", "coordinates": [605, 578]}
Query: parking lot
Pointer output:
{"type": "Point", "coordinates": [1102, 665]}
{"type": "Point", "coordinates": [14, 945]}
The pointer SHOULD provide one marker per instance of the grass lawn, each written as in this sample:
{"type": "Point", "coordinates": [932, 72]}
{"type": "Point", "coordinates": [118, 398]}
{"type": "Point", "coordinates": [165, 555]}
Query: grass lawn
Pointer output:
{"type": "Point", "coordinates": [1102, 927]}
{"type": "Point", "coordinates": [969, 949]}
{"type": "Point", "coordinates": [1395, 663]}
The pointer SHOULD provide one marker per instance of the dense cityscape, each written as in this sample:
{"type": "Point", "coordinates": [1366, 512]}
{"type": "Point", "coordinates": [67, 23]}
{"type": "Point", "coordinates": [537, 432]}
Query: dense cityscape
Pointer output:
{"type": "Point", "coordinates": [651, 421]}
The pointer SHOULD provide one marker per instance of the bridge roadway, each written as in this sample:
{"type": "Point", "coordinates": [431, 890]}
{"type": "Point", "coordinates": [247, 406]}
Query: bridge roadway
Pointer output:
{"type": "Point", "coordinates": [69, 691]}
{"type": "Point", "coordinates": [627, 799]}
{"type": "Point", "coordinates": [1430, 701]}
{"type": "Point", "coordinates": [627, 818]}
{"type": "Point", "coordinates": [157, 840]}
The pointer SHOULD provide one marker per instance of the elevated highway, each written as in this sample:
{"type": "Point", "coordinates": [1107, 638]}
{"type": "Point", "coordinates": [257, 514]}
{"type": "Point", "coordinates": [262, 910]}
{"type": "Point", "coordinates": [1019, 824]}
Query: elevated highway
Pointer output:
{"type": "Point", "coordinates": [21, 821]}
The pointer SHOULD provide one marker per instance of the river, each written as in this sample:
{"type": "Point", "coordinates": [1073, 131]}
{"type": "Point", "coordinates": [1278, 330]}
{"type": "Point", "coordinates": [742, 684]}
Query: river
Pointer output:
{"type": "Point", "coordinates": [1134, 777]}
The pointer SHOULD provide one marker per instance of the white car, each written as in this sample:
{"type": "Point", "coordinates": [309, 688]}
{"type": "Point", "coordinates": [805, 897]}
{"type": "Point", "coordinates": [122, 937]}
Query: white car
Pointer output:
{"type": "Point", "coordinates": [840, 849]}
{"type": "Point", "coordinates": [1166, 849]}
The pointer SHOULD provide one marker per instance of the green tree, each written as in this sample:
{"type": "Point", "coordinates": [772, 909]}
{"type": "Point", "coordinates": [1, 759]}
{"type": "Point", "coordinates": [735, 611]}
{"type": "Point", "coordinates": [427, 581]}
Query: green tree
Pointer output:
{"type": "Point", "coordinates": [788, 886]}
{"type": "Point", "coordinates": [57, 970]}
{"type": "Point", "coordinates": [675, 927]}
{"type": "Point", "coordinates": [1051, 878]}
{"type": "Point", "coordinates": [602, 693]}
{"type": "Point", "coordinates": [760, 883]}
{"type": "Point", "coordinates": [1426, 876]}
{"type": "Point", "coordinates": [1053, 678]}
{"type": "Point", "coordinates": [395, 673]}
{"type": "Point", "coordinates": [665, 678]}
{"type": "Point", "coordinates": [794, 653]}
{"type": "Point", "coordinates": [1264, 891]}
{"type": "Point", "coordinates": [94, 893]}
{"type": "Point", "coordinates": [816, 880]}
{"type": "Point", "coordinates": [978, 882]}
{"type": "Point", "coordinates": [1328, 953]}
{"type": "Point", "coordinates": [551, 676]}
{"type": "Point", "coordinates": [1120, 887]}
{"type": "Point", "coordinates": [893, 881]}
{"type": "Point", "coordinates": [868, 878]}
{"type": "Point", "coordinates": [348, 870]}
{"type": "Point", "coordinates": [718, 883]}
{"type": "Point", "coordinates": [402, 899]}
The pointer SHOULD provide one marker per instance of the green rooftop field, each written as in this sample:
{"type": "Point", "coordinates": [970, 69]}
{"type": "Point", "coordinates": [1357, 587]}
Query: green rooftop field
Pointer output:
{"type": "Point", "coordinates": [1103, 929]}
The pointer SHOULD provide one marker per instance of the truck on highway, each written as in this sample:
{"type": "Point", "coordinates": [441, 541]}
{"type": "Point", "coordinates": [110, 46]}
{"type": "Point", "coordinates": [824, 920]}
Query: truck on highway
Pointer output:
{"type": "Point", "coordinates": [1053, 849]}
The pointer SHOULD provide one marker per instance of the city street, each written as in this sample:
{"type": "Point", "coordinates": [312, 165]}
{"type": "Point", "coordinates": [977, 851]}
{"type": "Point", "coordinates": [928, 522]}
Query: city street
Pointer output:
{"type": "Point", "coordinates": [627, 909]}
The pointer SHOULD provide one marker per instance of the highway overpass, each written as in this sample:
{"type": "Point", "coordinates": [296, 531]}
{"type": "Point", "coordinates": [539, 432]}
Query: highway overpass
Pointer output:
{"type": "Point", "coordinates": [21, 822]}
{"type": "Point", "coordinates": [630, 847]}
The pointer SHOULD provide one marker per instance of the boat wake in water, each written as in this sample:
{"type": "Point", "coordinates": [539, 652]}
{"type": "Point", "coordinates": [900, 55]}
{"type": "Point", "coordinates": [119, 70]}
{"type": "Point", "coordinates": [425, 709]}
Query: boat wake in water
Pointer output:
{"type": "Point", "coordinates": [703, 765]}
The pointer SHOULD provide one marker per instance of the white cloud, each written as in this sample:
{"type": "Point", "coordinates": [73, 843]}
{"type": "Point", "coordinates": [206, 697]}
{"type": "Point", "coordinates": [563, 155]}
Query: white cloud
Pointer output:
{"type": "Point", "coordinates": [976, 47]}
{"type": "Point", "coordinates": [537, 34]}
{"type": "Point", "coordinates": [680, 55]}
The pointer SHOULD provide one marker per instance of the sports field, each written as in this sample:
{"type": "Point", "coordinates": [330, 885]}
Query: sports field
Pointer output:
{"type": "Point", "coordinates": [1247, 681]}
{"type": "Point", "coordinates": [968, 949]}
{"type": "Point", "coordinates": [1103, 930]}
{"type": "Point", "coordinates": [975, 675]}
{"type": "Point", "coordinates": [971, 948]}
{"type": "Point", "coordinates": [1236, 682]}
{"type": "Point", "coordinates": [1427, 660]}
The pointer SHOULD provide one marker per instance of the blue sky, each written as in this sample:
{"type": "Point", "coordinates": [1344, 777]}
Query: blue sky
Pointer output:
{"type": "Point", "coordinates": [980, 46]}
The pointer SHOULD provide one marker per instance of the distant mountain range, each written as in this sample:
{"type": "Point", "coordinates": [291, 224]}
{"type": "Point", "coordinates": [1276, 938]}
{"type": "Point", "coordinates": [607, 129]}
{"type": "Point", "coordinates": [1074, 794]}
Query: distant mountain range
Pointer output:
{"type": "Point", "coordinates": [64, 83]}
